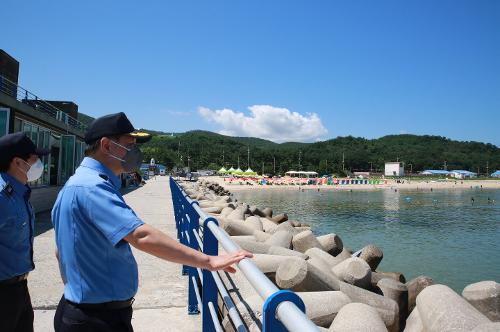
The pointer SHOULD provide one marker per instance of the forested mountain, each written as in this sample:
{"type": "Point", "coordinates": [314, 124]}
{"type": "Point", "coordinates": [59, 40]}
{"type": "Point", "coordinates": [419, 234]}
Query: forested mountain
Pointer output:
{"type": "Point", "coordinates": [202, 150]}
{"type": "Point", "coordinates": [207, 150]}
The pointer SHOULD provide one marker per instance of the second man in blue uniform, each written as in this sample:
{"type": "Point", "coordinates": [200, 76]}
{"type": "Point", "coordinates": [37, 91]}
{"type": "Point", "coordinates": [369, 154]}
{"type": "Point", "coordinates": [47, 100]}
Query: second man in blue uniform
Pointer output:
{"type": "Point", "coordinates": [94, 228]}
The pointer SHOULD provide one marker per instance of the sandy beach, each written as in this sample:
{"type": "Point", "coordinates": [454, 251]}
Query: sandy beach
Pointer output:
{"type": "Point", "coordinates": [419, 184]}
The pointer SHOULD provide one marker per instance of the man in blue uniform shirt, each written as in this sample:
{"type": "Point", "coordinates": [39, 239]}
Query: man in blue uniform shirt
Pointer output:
{"type": "Point", "coordinates": [94, 227]}
{"type": "Point", "coordinates": [19, 164]}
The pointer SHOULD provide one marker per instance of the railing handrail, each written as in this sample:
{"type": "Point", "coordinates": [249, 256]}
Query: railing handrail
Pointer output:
{"type": "Point", "coordinates": [7, 87]}
{"type": "Point", "coordinates": [281, 303]}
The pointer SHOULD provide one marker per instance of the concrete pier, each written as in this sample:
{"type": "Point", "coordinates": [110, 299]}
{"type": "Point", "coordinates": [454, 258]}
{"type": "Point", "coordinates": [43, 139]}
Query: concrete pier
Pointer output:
{"type": "Point", "coordinates": [161, 302]}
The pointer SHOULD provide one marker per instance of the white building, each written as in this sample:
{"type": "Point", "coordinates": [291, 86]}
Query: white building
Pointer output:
{"type": "Point", "coordinates": [394, 169]}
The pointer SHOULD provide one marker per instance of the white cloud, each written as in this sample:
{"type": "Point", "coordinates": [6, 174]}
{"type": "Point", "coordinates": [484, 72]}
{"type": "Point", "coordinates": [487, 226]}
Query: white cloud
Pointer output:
{"type": "Point", "coordinates": [268, 122]}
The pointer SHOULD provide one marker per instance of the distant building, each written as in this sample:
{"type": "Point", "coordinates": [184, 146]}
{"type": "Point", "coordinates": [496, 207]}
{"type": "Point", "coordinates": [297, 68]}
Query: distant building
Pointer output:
{"type": "Point", "coordinates": [50, 124]}
{"type": "Point", "coordinates": [439, 172]}
{"type": "Point", "coordinates": [461, 174]}
{"type": "Point", "coordinates": [362, 175]}
{"type": "Point", "coordinates": [394, 169]}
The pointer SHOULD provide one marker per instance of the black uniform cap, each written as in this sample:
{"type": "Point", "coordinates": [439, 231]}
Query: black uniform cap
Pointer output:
{"type": "Point", "coordinates": [112, 125]}
{"type": "Point", "coordinates": [18, 145]}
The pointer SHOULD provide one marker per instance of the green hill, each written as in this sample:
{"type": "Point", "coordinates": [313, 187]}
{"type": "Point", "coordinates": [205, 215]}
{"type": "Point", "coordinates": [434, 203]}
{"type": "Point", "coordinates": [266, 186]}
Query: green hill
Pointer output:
{"type": "Point", "coordinates": [205, 149]}
{"type": "Point", "coordinates": [209, 150]}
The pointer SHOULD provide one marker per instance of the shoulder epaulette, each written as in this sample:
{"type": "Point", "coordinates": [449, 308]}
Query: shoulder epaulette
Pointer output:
{"type": "Point", "coordinates": [7, 188]}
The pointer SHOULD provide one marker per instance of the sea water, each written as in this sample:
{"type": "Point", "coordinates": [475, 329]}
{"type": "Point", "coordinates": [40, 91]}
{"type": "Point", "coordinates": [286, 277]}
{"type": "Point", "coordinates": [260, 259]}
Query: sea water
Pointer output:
{"type": "Point", "coordinates": [451, 235]}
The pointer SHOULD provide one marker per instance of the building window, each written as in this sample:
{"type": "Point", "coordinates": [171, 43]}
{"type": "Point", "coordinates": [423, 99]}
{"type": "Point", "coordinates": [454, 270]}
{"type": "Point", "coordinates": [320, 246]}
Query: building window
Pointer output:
{"type": "Point", "coordinates": [67, 159]}
{"type": "Point", "coordinates": [4, 121]}
{"type": "Point", "coordinates": [41, 137]}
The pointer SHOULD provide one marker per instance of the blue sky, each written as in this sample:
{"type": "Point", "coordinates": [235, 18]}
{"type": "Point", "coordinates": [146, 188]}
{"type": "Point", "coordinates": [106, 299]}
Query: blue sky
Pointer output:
{"type": "Point", "coordinates": [309, 70]}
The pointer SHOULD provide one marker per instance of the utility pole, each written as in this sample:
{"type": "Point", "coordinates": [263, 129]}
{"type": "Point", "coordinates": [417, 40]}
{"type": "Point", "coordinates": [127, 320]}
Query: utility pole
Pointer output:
{"type": "Point", "coordinates": [274, 165]}
{"type": "Point", "coordinates": [262, 168]}
{"type": "Point", "coordinates": [487, 168]}
{"type": "Point", "coordinates": [445, 167]}
{"type": "Point", "coordinates": [371, 166]}
{"type": "Point", "coordinates": [343, 162]}
{"type": "Point", "coordinates": [300, 156]}
{"type": "Point", "coordinates": [238, 161]}
{"type": "Point", "coordinates": [223, 161]}
{"type": "Point", "coordinates": [248, 157]}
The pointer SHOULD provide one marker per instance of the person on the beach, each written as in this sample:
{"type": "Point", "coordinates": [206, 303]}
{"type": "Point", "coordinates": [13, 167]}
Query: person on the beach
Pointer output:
{"type": "Point", "coordinates": [94, 229]}
{"type": "Point", "coordinates": [19, 164]}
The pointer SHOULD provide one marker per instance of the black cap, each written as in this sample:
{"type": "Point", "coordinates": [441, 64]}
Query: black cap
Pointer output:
{"type": "Point", "coordinates": [111, 125]}
{"type": "Point", "coordinates": [18, 145]}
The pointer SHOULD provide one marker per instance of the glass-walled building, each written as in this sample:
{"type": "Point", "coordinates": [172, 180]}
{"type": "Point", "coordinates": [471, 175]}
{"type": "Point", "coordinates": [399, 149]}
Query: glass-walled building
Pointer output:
{"type": "Point", "coordinates": [49, 124]}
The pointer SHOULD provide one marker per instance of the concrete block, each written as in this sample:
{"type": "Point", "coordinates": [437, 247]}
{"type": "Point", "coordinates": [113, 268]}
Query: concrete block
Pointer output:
{"type": "Point", "coordinates": [305, 240]}
{"type": "Point", "coordinates": [261, 236]}
{"type": "Point", "coordinates": [441, 309]}
{"type": "Point", "coordinates": [398, 292]}
{"type": "Point", "coordinates": [372, 255]}
{"type": "Point", "coordinates": [386, 308]}
{"type": "Point", "coordinates": [300, 276]}
{"type": "Point", "coordinates": [268, 225]}
{"type": "Point", "coordinates": [354, 271]}
{"type": "Point", "coordinates": [331, 243]}
{"type": "Point", "coordinates": [253, 246]}
{"type": "Point", "coordinates": [281, 239]}
{"type": "Point", "coordinates": [322, 259]}
{"type": "Point", "coordinates": [237, 227]}
{"type": "Point", "coordinates": [415, 286]}
{"type": "Point", "coordinates": [255, 223]}
{"type": "Point", "coordinates": [268, 212]}
{"type": "Point", "coordinates": [280, 218]}
{"type": "Point", "coordinates": [274, 250]}
{"type": "Point", "coordinates": [488, 327]}
{"type": "Point", "coordinates": [269, 264]}
{"type": "Point", "coordinates": [226, 211]}
{"type": "Point", "coordinates": [414, 323]}
{"type": "Point", "coordinates": [485, 297]}
{"type": "Point", "coordinates": [358, 317]}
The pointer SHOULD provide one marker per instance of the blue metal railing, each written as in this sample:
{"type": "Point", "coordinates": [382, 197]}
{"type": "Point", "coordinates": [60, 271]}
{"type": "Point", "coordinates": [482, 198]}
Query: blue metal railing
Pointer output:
{"type": "Point", "coordinates": [20, 94]}
{"type": "Point", "coordinates": [283, 310]}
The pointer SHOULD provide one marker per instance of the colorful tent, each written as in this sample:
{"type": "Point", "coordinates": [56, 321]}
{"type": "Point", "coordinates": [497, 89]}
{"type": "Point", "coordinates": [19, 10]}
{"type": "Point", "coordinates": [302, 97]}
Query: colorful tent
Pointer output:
{"type": "Point", "coordinates": [222, 171]}
{"type": "Point", "coordinates": [249, 171]}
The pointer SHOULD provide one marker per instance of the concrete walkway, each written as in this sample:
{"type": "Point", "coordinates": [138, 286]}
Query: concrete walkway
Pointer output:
{"type": "Point", "coordinates": [161, 303]}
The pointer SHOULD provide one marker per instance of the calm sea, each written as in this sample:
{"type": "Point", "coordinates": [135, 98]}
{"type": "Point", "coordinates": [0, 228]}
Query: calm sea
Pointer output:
{"type": "Point", "coordinates": [441, 234]}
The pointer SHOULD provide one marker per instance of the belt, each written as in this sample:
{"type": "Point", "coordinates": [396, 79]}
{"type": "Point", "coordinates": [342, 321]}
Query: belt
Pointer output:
{"type": "Point", "coordinates": [113, 305]}
{"type": "Point", "coordinates": [14, 280]}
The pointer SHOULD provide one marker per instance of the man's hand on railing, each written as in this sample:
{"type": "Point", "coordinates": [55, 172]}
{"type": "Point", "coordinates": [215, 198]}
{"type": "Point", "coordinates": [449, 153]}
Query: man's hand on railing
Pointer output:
{"type": "Point", "coordinates": [157, 243]}
{"type": "Point", "coordinates": [225, 261]}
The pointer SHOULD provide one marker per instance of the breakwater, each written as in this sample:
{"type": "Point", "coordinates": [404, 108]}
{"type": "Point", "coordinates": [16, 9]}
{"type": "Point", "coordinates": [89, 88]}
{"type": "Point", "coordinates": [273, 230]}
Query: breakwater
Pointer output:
{"type": "Point", "coordinates": [342, 290]}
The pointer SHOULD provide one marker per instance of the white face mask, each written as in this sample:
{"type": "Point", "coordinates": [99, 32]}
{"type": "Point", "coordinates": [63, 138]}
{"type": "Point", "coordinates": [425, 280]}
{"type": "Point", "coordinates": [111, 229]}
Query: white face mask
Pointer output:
{"type": "Point", "coordinates": [35, 171]}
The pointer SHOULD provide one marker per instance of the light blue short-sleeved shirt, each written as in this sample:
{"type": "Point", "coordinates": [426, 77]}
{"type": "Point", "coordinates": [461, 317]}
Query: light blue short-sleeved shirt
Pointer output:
{"type": "Point", "coordinates": [91, 219]}
{"type": "Point", "coordinates": [17, 226]}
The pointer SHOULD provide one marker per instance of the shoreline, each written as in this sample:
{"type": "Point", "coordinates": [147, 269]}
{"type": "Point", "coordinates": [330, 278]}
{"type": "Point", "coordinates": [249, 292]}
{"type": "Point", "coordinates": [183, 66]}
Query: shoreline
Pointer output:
{"type": "Point", "coordinates": [416, 185]}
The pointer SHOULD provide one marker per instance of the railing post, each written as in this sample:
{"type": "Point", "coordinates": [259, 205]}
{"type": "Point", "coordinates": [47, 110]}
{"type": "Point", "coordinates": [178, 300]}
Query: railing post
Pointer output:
{"type": "Point", "coordinates": [269, 321]}
{"type": "Point", "coordinates": [192, 229]}
{"type": "Point", "coordinates": [210, 294]}
{"type": "Point", "coordinates": [184, 228]}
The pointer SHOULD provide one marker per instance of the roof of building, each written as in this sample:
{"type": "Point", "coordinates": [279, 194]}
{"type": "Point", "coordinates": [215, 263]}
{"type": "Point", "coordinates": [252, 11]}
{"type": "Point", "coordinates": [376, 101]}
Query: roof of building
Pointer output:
{"type": "Point", "coordinates": [435, 171]}
{"type": "Point", "coordinates": [460, 171]}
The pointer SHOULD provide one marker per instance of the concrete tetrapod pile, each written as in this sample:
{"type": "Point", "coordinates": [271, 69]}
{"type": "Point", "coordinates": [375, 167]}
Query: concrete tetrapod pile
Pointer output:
{"type": "Point", "coordinates": [341, 292]}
